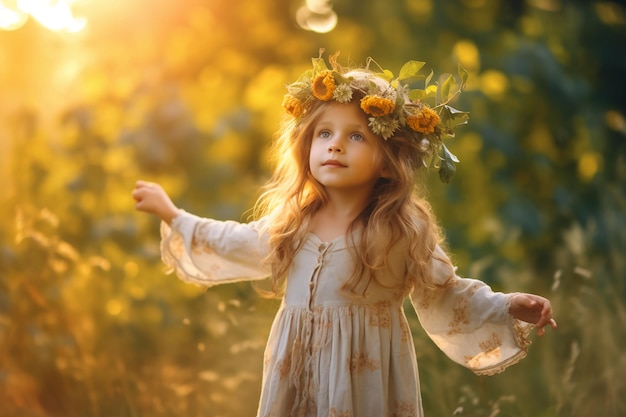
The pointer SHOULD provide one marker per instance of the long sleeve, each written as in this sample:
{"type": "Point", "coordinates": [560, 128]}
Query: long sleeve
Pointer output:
{"type": "Point", "coordinates": [469, 322]}
{"type": "Point", "coordinates": [209, 252]}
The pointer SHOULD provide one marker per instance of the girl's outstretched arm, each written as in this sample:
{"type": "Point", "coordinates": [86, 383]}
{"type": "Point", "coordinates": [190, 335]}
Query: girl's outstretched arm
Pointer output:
{"type": "Point", "coordinates": [532, 309]}
{"type": "Point", "coordinates": [151, 198]}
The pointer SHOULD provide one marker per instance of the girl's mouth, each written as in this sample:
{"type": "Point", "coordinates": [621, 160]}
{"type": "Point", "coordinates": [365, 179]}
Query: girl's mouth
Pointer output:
{"type": "Point", "coordinates": [333, 162]}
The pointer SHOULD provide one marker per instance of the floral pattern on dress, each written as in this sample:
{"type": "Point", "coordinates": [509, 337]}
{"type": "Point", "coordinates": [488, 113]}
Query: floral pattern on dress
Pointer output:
{"type": "Point", "coordinates": [284, 367]}
{"type": "Point", "coordinates": [379, 315]}
{"type": "Point", "coordinates": [459, 316]}
{"type": "Point", "coordinates": [326, 355]}
{"type": "Point", "coordinates": [198, 244]}
{"type": "Point", "coordinates": [360, 362]}
{"type": "Point", "coordinates": [405, 409]}
{"type": "Point", "coordinates": [493, 343]}
{"type": "Point", "coordinates": [336, 413]}
{"type": "Point", "coordinates": [405, 330]}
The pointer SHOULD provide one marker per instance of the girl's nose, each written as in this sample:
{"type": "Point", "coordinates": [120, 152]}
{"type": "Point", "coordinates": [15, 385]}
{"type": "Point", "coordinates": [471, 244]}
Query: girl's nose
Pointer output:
{"type": "Point", "coordinates": [335, 146]}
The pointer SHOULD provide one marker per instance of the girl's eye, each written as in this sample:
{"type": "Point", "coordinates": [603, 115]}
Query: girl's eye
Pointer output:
{"type": "Point", "coordinates": [324, 134]}
{"type": "Point", "coordinates": [357, 137]}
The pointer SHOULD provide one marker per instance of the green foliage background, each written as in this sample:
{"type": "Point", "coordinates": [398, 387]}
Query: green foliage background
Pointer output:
{"type": "Point", "coordinates": [188, 94]}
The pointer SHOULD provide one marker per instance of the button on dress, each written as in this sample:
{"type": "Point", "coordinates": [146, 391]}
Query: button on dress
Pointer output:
{"type": "Point", "coordinates": [333, 354]}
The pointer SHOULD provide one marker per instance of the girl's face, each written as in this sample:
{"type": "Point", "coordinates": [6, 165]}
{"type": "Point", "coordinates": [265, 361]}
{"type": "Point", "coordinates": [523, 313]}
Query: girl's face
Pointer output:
{"type": "Point", "coordinates": [344, 151]}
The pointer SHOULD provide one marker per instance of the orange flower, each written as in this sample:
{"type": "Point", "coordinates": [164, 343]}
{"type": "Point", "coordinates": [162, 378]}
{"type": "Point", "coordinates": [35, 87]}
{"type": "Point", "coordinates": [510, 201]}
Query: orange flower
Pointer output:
{"type": "Point", "coordinates": [292, 105]}
{"type": "Point", "coordinates": [324, 86]}
{"type": "Point", "coordinates": [377, 106]}
{"type": "Point", "coordinates": [423, 121]}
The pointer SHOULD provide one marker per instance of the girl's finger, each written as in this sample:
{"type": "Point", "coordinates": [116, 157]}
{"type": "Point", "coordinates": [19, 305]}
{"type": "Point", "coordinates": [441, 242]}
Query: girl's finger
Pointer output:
{"type": "Point", "coordinates": [541, 326]}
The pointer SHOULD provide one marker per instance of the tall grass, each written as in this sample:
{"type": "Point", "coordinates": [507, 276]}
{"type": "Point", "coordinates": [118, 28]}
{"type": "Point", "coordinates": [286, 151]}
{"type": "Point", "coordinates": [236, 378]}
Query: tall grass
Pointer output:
{"type": "Point", "coordinates": [85, 337]}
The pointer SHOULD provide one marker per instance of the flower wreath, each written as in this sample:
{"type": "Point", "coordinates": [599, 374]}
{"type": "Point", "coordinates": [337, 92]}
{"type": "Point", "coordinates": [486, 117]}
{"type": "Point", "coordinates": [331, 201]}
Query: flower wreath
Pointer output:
{"type": "Point", "coordinates": [392, 104]}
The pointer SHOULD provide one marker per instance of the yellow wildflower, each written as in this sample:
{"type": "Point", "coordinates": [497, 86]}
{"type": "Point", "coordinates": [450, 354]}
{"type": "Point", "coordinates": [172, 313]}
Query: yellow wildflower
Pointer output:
{"type": "Point", "coordinates": [324, 86]}
{"type": "Point", "coordinates": [292, 105]}
{"type": "Point", "coordinates": [423, 121]}
{"type": "Point", "coordinates": [377, 106]}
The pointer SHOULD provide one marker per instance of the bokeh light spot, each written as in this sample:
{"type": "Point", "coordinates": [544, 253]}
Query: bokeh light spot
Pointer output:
{"type": "Point", "coordinates": [419, 8]}
{"type": "Point", "coordinates": [55, 15]}
{"type": "Point", "coordinates": [494, 84]}
{"type": "Point", "coordinates": [615, 120]}
{"type": "Point", "coordinates": [131, 269]}
{"type": "Point", "coordinates": [467, 54]}
{"type": "Point", "coordinates": [588, 165]}
{"type": "Point", "coordinates": [610, 13]}
{"type": "Point", "coordinates": [11, 18]}
{"type": "Point", "coordinates": [319, 6]}
{"type": "Point", "coordinates": [114, 307]}
{"type": "Point", "coordinates": [318, 16]}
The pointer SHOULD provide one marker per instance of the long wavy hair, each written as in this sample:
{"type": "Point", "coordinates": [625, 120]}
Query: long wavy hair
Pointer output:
{"type": "Point", "coordinates": [396, 212]}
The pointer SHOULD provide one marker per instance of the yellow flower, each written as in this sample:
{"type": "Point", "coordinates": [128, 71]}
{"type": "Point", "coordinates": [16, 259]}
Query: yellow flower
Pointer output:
{"type": "Point", "coordinates": [324, 86]}
{"type": "Point", "coordinates": [377, 106]}
{"type": "Point", "coordinates": [292, 105]}
{"type": "Point", "coordinates": [423, 121]}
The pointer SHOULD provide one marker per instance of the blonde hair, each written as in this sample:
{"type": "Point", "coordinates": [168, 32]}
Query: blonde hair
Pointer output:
{"type": "Point", "coordinates": [395, 213]}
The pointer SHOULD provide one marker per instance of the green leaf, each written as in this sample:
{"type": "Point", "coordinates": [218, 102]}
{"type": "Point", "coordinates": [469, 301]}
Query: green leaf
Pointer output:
{"type": "Point", "coordinates": [429, 77]}
{"type": "Point", "coordinates": [319, 65]}
{"type": "Point", "coordinates": [451, 117]}
{"type": "Point", "coordinates": [463, 74]}
{"type": "Point", "coordinates": [418, 94]}
{"type": "Point", "coordinates": [446, 172]}
{"type": "Point", "coordinates": [412, 80]}
{"type": "Point", "coordinates": [445, 89]}
{"type": "Point", "coordinates": [449, 155]}
{"type": "Point", "coordinates": [340, 79]}
{"type": "Point", "coordinates": [386, 75]}
{"type": "Point", "coordinates": [410, 69]}
{"type": "Point", "coordinates": [299, 90]}
{"type": "Point", "coordinates": [399, 97]}
{"type": "Point", "coordinates": [454, 111]}
{"type": "Point", "coordinates": [447, 169]}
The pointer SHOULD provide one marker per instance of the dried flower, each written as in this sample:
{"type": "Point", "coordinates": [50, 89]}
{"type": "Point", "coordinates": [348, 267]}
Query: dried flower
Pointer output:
{"type": "Point", "coordinates": [377, 106]}
{"type": "Point", "coordinates": [292, 105]}
{"type": "Point", "coordinates": [324, 86]}
{"type": "Point", "coordinates": [424, 121]}
{"type": "Point", "coordinates": [390, 105]}
{"type": "Point", "coordinates": [383, 126]}
{"type": "Point", "coordinates": [343, 93]}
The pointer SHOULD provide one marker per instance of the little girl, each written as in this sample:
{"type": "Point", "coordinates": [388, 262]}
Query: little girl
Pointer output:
{"type": "Point", "coordinates": [345, 239]}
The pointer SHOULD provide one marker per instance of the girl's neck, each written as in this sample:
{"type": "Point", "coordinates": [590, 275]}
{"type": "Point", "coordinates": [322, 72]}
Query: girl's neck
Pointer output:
{"type": "Point", "coordinates": [333, 219]}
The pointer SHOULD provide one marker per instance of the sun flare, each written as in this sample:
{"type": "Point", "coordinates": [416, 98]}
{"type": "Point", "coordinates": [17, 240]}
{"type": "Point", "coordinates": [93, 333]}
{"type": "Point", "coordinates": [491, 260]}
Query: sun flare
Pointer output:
{"type": "Point", "coordinates": [56, 15]}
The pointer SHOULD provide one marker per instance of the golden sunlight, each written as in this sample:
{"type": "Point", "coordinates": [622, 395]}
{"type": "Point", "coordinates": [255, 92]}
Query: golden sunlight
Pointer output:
{"type": "Point", "coordinates": [55, 15]}
{"type": "Point", "coordinates": [11, 19]}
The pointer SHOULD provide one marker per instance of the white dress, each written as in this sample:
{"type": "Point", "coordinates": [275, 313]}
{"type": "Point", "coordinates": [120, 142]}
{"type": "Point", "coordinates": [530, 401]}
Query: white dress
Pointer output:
{"type": "Point", "coordinates": [329, 355]}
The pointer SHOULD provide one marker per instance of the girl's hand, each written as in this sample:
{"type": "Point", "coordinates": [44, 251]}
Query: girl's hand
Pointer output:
{"type": "Point", "coordinates": [151, 198]}
{"type": "Point", "coordinates": [532, 309]}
